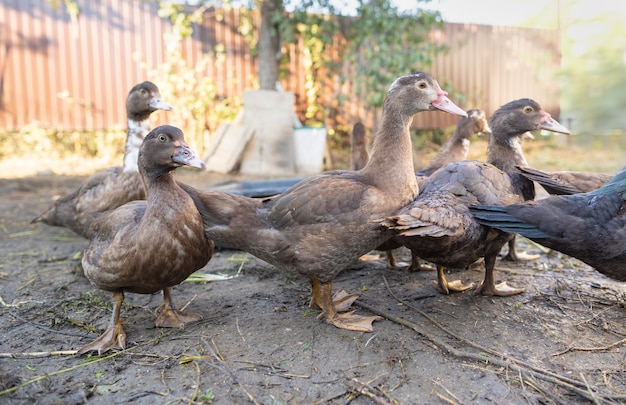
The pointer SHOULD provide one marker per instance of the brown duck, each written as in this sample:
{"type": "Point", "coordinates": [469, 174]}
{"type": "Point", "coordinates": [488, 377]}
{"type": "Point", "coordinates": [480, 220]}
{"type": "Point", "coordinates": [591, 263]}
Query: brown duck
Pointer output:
{"type": "Point", "coordinates": [457, 146]}
{"type": "Point", "coordinates": [359, 152]}
{"type": "Point", "coordinates": [149, 245]}
{"type": "Point", "coordinates": [112, 187]}
{"type": "Point", "coordinates": [454, 149]}
{"type": "Point", "coordinates": [322, 224]}
{"type": "Point", "coordinates": [438, 225]}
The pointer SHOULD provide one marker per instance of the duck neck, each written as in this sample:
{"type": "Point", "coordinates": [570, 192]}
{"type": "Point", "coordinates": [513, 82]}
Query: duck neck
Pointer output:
{"type": "Point", "coordinates": [156, 181]}
{"type": "Point", "coordinates": [506, 153]}
{"type": "Point", "coordinates": [135, 133]}
{"type": "Point", "coordinates": [391, 161]}
{"type": "Point", "coordinates": [463, 132]}
{"type": "Point", "coordinates": [458, 144]}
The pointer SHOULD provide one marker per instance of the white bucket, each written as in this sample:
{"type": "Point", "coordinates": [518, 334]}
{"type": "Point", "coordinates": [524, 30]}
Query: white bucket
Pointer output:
{"type": "Point", "coordinates": [309, 146]}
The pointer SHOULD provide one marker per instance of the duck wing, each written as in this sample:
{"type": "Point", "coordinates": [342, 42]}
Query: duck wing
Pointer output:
{"type": "Point", "coordinates": [565, 182]}
{"type": "Point", "coordinates": [589, 226]}
{"type": "Point", "coordinates": [333, 198]}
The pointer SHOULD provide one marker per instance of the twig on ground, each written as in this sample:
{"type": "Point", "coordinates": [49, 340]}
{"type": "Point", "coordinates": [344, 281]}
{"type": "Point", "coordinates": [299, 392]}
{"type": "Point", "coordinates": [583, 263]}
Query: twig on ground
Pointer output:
{"type": "Point", "coordinates": [195, 392]}
{"type": "Point", "coordinates": [65, 370]}
{"type": "Point", "coordinates": [375, 394]}
{"type": "Point", "coordinates": [590, 349]}
{"type": "Point", "coordinates": [184, 307]}
{"type": "Point", "coordinates": [239, 330]}
{"type": "Point", "coordinates": [402, 379]}
{"type": "Point", "coordinates": [454, 399]}
{"type": "Point", "coordinates": [590, 390]}
{"type": "Point", "coordinates": [272, 370]}
{"type": "Point", "coordinates": [225, 367]}
{"type": "Point", "coordinates": [31, 355]}
{"type": "Point", "coordinates": [446, 399]}
{"type": "Point", "coordinates": [36, 325]}
{"type": "Point", "coordinates": [534, 384]}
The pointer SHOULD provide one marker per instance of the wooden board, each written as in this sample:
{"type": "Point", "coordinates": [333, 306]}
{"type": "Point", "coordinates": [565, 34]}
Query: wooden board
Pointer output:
{"type": "Point", "coordinates": [270, 151]}
{"type": "Point", "coordinates": [224, 151]}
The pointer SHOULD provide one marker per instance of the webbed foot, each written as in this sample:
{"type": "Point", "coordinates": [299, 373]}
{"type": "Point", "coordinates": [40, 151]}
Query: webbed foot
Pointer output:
{"type": "Point", "coordinates": [454, 286]}
{"type": "Point", "coordinates": [112, 338]}
{"type": "Point", "coordinates": [351, 321]}
{"type": "Point", "coordinates": [444, 286]}
{"type": "Point", "coordinates": [500, 290]}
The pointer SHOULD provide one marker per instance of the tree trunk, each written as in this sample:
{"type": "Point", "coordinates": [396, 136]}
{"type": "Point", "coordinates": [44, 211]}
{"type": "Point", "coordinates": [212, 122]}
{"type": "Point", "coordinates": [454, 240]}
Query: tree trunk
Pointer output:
{"type": "Point", "coordinates": [269, 44]}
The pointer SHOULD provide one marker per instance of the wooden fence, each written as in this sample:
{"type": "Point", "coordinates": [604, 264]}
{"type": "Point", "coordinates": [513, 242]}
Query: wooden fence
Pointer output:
{"type": "Point", "coordinates": [75, 74]}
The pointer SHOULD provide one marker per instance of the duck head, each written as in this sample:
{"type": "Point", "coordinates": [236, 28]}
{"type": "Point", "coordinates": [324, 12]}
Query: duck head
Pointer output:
{"type": "Point", "coordinates": [144, 99]}
{"type": "Point", "coordinates": [164, 149]}
{"type": "Point", "coordinates": [420, 91]}
{"type": "Point", "coordinates": [515, 118]}
{"type": "Point", "coordinates": [481, 124]}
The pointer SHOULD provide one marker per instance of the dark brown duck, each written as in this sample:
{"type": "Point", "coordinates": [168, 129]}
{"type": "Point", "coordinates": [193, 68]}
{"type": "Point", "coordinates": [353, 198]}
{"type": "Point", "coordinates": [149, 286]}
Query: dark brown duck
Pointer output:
{"type": "Point", "coordinates": [454, 149]}
{"type": "Point", "coordinates": [438, 226]}
{"type": "Point", "coordinates": [149, 245]}
{"type": "Point", "coordinates": [588, 226]}
{"type": "Point", "coordinates": [322, 224]}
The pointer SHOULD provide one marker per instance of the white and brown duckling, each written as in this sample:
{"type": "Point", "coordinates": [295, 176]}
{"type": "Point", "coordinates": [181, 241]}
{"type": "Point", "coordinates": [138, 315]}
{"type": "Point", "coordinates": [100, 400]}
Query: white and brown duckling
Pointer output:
{"type": "Point", "coordinates": [112, 187]}
{"type": "Point", "coordinates": [149, 245]}
{"type": "Point", "coordinates": [589, 226]}
{"type": "Point", "coordinates": [438, 226]}
{"type": "Point", "coordinates": [324, 223]}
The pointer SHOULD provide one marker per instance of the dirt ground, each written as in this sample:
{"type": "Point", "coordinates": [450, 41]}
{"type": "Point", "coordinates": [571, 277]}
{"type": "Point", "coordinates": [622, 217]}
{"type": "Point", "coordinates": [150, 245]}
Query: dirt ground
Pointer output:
{"type": "Point", "coordinates": [561, 342]}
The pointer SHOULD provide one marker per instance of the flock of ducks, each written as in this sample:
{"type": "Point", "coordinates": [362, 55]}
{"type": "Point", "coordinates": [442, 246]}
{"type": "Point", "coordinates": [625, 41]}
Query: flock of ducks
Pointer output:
{"type": "Point", "coordinates": [148, 232]}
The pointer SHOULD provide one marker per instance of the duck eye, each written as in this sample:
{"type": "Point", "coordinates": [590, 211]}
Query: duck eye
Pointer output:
{"type": "Point", "coordinates": [422, 85]}
{"type": "Point", "coordinates": [143, 91]}
{"type": "Point", "coordinates": [528, 109]}
{"type": "Point", "coordinates": [162, 138]}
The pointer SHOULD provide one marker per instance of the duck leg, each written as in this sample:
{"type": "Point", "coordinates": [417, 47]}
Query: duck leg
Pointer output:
{"type": "Point", "coordinates": [170, 317]}
{"type": "Point", "coordinates": [444, 286]}
{"type": "Point", "coordinates": [114, 336]}
{"type": "Point", "coordinates": [417, 266]}
{"type": "Point", "coordinates": [488, 286]}
{"type": "Point", "coordinates": [513, 256]}
{"type": "Point", "coordinates": [321, 297]}
{"type": "Point", "coordinates": [392, 263]}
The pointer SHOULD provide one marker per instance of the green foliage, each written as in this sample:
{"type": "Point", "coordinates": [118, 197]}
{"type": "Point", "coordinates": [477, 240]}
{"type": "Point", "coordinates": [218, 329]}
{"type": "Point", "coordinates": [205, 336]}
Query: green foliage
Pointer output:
{"type": "Point", "coordinates": [197, 106]}
{"type": "Point", "coordinates": [383, 43]}
{"type": "Point", "coordinates": [70, 6]}
{"type": "Point", "coordinates": [377, 44]}
{"type": "Point", "coordinates": [430, 139]}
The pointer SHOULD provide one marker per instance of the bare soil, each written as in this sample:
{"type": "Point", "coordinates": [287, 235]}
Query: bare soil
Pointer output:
{"type": "Point", "coordinates": [563, 341]}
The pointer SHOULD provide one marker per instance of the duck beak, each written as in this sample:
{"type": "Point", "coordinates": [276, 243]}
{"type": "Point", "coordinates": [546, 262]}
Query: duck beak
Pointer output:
{"type": "Point", "coordinates": [157, 103]}
{"type": "Point", "coordinates": [443, 103]}
{"type": "Point", "coordinates": [550, 124]}
{"type": "Point", "coordinates": [185, 157]}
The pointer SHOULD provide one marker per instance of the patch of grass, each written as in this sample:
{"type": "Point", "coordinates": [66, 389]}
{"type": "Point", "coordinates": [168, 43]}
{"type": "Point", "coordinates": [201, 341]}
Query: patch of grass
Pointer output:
{"type": "Point", "coordinates": [87, 300]}
{"type": "Point", "coordinates": [208, 397]}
